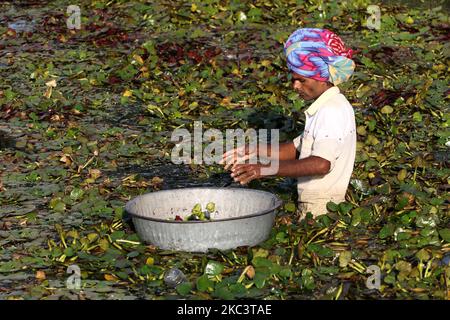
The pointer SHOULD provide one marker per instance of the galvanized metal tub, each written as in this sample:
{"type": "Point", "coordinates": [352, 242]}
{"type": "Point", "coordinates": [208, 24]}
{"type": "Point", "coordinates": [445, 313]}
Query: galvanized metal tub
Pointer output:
{"type": "Point", "coordinates": [242, 217]}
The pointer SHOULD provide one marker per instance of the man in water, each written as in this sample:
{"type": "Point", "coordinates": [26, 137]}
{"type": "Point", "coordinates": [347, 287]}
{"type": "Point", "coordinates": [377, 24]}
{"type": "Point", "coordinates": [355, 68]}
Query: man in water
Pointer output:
{"type": "Point", "coordinates": [322, 157]}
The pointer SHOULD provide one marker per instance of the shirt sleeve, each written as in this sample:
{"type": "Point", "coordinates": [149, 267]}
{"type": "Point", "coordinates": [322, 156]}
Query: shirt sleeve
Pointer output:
{"type": "Point", "coordinates": [328, 135]}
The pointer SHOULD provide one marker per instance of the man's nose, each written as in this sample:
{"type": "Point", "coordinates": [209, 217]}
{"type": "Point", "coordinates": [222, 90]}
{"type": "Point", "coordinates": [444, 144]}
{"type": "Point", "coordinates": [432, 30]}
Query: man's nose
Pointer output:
{"type": "Point", "coordinates": [297, 85]}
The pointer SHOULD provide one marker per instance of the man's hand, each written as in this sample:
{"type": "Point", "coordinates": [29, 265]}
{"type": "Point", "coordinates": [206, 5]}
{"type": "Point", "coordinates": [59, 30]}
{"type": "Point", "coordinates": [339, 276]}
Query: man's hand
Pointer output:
{"type": "Point", "coordinates": [286, 151]}
{"type": "Point", "coordinates": [288, 165]}
{"type": "Point", "coordinates": [238, 155]}
{"type": "Point", "coordinates": [244, 173]}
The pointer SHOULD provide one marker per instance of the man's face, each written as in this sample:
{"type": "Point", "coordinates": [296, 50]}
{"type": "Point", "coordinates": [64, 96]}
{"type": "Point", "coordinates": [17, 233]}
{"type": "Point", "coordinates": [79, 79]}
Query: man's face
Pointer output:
{"type": "Point", "coordinates": [307, 88]}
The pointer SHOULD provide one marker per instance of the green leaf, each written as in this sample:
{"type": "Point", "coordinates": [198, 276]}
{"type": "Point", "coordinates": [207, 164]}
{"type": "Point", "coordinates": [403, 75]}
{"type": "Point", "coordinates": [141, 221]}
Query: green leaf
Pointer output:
{"type": "Point", "coordinates": [213, 268]}
{"type": "Point", "coordinates": [307, 279]}
{"type": "Point", "coordinates": [69, 252]}
{"type": "Point", "coordinates": [387, 109]}
{"type": "Point", "coordinates": [417, 116]}
{"type": "Point", "coordinates": [404, 36]}
{"type": "Point", "coordinates": [9, 94]}
{"type": "Point", "coordinates": [260, 279]}
{"type": "Point", "coordinates": [402, 202]}
{"type": "Point", "coordinates": [184, 288]}
{"type": "Point", "coordinates": [204, 283]}
{"type": "Point", "coordinates": [57, 204]}
{"type": "Point", "coordinates": [260, 252]}
{"type": "Point", "coordinates": [281, 237]}
{"type": "Point", "coordinates": [260, 262]}
{"type": "Point", "coordinates": [403, 266]}
{"type": "Point", "coordinates": [238, 290]}
{"type": "Point", "coordinates": [390, 278]}
{"type": "Point", "coordinates": [356, 218]}
{"type": "Point", "coordinates": [197, 209]}
{"type": "Point", "coordinates": [345, 207]}
{"type": "Point", "coordinates": [320, 250]}
{"type": "Point", "coordinates": [223, 293]}
{"type": "Point", "coordinates": [76, 194]}
{"type": "Point", "coordinates": [423, 255]}
{"type": "Point", "coordinates": [344, 258]}
{"type": "Point", "coordinates": [10, 266]}
{"type": "Point", "coordinates": [445, 234]}
{"type": "Point", "coordinates": [386, 231]}
{"type": "Point", "coordinates": [92, 237]}
{"type": "Point", "coordinates": [133, 254]}
{"type": "Point", "coordinates": [289, 207]}
{"type": "Point", "coordinates": [122, 275]}
{"type": "Point", "coordinates": [285, 272]}
{"type": "Point", "coordinates": [117, 235]}
{"type": "Point", "coordinates": [333, 207]}
{"type": "Point", "coordinates": [211, 206]}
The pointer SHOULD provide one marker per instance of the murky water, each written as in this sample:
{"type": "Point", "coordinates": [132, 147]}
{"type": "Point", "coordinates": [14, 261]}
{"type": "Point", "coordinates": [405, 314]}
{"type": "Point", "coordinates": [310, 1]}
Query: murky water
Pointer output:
{"type": "Point", "coordinates": [176, 176]}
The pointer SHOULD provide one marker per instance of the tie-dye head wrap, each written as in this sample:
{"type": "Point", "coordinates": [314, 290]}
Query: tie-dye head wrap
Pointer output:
{"type": "Point", "coordinates": [319, 54]}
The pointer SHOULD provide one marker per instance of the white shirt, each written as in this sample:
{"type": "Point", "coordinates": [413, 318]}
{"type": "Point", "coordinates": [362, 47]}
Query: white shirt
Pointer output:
{"type": "Point", "coordinates": [330, 133]}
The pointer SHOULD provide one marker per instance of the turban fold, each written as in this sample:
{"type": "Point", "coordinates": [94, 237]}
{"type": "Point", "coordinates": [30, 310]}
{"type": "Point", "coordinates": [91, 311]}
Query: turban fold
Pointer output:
{"type": "Point", "coordinates": [319, 54]}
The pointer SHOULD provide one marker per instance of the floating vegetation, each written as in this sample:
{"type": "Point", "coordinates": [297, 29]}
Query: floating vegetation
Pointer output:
{"type": "Point", "coordinates": [85, 123]}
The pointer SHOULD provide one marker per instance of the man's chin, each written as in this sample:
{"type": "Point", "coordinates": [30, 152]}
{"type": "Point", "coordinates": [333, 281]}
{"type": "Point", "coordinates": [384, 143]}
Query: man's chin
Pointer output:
{"type": "Point", "coordinates": [306, 98]}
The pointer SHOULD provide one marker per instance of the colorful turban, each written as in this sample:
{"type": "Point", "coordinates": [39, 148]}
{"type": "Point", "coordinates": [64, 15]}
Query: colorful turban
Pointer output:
{"type": "Point", "coordinates": [319, 54]}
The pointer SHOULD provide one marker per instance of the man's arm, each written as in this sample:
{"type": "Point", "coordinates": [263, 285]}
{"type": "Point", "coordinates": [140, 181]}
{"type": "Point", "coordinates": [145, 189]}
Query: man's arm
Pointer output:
{"type": "Point", "coordinates": [286, 151]}
{"type": "Point", "coordinates": [311, 166]}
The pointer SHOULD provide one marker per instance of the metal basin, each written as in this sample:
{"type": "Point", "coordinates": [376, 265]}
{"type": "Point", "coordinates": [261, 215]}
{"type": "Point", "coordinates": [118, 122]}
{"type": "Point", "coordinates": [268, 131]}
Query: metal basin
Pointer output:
{"type": "Point", "coordinates": [243, 217]}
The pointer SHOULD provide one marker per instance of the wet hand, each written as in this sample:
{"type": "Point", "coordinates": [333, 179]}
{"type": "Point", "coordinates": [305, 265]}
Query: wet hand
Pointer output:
{"type": "Point", "coordinates": [237, 156]}
{"type": "Point", "coordinates": [244, 173]}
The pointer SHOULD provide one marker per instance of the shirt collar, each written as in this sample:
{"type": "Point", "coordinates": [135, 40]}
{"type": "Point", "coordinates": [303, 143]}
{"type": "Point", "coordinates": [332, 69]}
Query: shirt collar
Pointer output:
{"type": "Point", "coordinates": [327, 94]}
